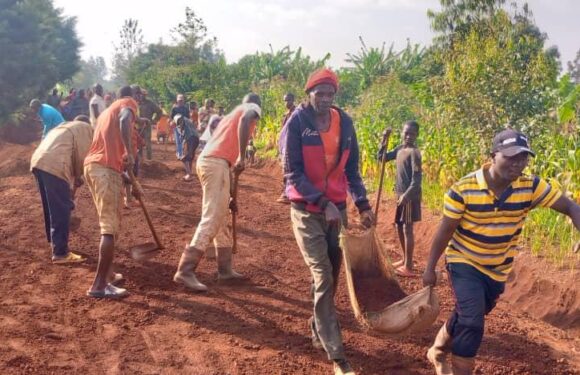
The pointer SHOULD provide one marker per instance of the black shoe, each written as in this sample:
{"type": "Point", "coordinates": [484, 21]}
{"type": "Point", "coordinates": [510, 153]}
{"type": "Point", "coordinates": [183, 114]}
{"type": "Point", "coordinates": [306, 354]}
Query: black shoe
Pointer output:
{"type": "Point", "coordinates": [342, 367]}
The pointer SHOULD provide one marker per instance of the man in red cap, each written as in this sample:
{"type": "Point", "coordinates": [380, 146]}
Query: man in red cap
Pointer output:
{"type": "Point", "coordinates": [321, 165]}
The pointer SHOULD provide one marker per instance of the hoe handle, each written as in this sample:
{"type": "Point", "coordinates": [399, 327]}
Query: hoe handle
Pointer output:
{"type": "Point", "coordinates": [142, 204]}
{"type": "Point", "coordinates": [385, 143]}
{"type": "Point", "coordinates": [234, 214]}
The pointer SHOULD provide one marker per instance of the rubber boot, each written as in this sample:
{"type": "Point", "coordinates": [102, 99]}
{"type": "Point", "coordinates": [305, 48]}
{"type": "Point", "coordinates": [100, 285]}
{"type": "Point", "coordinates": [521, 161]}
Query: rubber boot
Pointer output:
{"type": "Point", "coordinates": [210, 252]}
{"type": "Point", "coordinates": [224, 261]}
{"type": "Point", "coordinates": [437, 354]}
{"type": "Point", "coordinates": [185, 271]}
{"type": "Point", "coordinates": [462, 365]}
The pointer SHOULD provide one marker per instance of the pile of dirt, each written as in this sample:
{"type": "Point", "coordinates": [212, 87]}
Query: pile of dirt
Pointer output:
{"type": "Point", "coordinates": [154, 169]}
{"type": "Point", "coordinates": [15, 159]}
{"type": "Point", "coordinates": [376, 292]}
{"type": "Point", "coordinates": [24, 133]}
{"type": "Point", "coordinates": [545, 292]}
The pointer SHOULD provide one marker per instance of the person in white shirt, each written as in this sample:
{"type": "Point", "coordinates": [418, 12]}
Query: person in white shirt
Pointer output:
{"type": "Point", "coordinates": [97, 104]}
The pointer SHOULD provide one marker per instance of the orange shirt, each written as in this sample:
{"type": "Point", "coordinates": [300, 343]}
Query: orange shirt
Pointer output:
{"type": "Point", "coordinates": [194, 116]}
{"type": "Point", "coordinates": [163, 125]}
{"type": "Point", "coordinates": [331, 140]}
{"type": "Point", "coordinates": [224, 143]}
{"type": "Point", "coordinates": [107, 147]}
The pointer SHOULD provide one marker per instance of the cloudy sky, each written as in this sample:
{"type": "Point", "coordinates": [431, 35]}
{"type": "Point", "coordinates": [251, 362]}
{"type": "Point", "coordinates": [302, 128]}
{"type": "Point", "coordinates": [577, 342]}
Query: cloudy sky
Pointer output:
{"type": "Point", "coordinates": [247, 26]}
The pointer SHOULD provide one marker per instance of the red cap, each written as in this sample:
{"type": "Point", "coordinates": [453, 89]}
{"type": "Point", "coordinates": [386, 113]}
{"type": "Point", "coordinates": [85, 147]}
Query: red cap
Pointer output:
{"type": "Point", "coordinates": [320, 76]}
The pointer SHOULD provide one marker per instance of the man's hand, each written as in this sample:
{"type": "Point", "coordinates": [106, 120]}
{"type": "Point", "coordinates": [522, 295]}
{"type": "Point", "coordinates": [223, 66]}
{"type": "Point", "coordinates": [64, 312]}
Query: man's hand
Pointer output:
{"type": "Point", "coordinates": [367, 218]}
{"type": "Point", "coordinates": [239, 166]}
{"type": "Point", "coordinates": [332, 214]}
{"type": "Point", "coordinates": [402, 200]}
{"type": "Point", "coordinates": [233, 206]}
{"type": "Point", "coordinates": [429, 277]}
{"type": "Point", "coordinates": [128, 161]}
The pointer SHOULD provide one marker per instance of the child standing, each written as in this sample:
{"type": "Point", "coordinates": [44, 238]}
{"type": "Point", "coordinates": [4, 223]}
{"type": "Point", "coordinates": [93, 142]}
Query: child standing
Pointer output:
{"type": "Point", "coordinates": [408, 190]}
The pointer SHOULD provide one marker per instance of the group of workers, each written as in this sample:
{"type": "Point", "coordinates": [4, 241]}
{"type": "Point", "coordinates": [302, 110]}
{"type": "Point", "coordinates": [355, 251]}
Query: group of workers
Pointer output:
{"type": "Point", "coordinates": [483, 213]}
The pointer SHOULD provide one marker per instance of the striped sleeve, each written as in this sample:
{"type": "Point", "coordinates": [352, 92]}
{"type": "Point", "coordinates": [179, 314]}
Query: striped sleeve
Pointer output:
{"type": "Point", "coordinates": [453, 203]}
{"type": "Point", "coordinates": [544, 194]}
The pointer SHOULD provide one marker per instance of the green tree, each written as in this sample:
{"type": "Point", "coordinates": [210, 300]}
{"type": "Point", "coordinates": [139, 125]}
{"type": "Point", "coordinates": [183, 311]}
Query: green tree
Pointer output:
{"type": "Point", "coordinates": [92, 71]}
{"type": "Point", "coordinates": [39, 48]}
{"type": "Point", "coordinates": [130, 46]}
{"type": "Point", "coordinates": [574, 68]}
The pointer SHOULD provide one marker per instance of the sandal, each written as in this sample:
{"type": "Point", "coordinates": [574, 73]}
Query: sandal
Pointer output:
{"type": "Point", "coordinates": [68, 258]}
{"type": "Point", "coordinates": [187, 178]}
{"type": "Point", "coordinates": [117, 280]}
{"type": "Point", "coordinates": [404, 272]}
{"type": "Point", "coordinates": [110, 291]}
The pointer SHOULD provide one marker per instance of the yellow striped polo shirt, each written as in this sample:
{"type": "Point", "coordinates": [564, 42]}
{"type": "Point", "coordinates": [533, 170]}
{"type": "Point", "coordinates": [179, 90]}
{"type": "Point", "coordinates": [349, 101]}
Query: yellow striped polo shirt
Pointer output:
{"type": "Point", "coordinates": [488, 233]}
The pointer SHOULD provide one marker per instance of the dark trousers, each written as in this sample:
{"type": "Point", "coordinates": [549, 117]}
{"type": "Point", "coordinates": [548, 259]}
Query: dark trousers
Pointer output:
{"type": "Point", "coordinates": [57, 205]}
{"type": "Point", "coordinates": [475, 296]}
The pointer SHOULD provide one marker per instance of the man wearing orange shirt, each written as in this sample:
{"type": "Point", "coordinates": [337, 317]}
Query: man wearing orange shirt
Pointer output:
{"type": "Point", "coordinates": [112, 151]}
{"type": "Point", "coordinates": [224, 151]}
{"type": "Point", "coordinates": [321, 167]}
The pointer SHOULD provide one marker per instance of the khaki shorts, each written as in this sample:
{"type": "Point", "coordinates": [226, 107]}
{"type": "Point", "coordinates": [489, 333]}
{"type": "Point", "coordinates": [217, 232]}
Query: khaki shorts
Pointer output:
{"type": "Point", "coordinates": [105, 185]}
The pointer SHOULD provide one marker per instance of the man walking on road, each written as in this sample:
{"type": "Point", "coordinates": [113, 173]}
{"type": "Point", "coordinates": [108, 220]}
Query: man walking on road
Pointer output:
{"type": "Point", "coordinates": [112, 150]}
{"type": "Point", "coordinates": [483, 216]}
{"type": "Point", "coordinates": [57, 164]}
{"type": "Point", "coordinates": [225, 150]}
{"type": "Point", "coordinates": [321, 165]}
{"type": "Point", "coordinates": [150, 111]}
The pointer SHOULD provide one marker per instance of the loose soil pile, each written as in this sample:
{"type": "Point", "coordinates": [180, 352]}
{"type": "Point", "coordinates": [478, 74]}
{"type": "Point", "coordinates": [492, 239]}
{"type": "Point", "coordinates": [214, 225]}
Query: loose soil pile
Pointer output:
{"type": "Point", "coordinates": [376, 292]}
{"type": "Point", "coordinates": [49, 326]}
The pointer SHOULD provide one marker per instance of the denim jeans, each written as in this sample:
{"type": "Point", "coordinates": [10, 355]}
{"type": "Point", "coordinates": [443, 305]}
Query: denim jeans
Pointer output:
{"type": "Point", "coordinates": [57, 205]}
{"type": "Point", "coordinates": [475, 296]}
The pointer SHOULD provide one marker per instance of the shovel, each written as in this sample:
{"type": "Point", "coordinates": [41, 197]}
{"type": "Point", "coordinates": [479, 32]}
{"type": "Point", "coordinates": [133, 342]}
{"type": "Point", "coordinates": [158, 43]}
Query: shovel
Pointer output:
{"type": "Point", "coordinates": [234, 214]}
{"type": "Point", "coordinates": [149, 249]}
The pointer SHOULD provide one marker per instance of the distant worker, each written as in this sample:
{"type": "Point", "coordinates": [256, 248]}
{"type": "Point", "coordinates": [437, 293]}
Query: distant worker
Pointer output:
{"type": "Point", "coordinates": [224, 153]}
{"type": "Point", "coordinates": [322, 167]}
{"type": "Point", "coordinates": [483, 216]}
{"type": "Point", "coordinates": [205, 113]}
{"type": "Point", "coordinates": [49, 116]}
{"type": "Point", "coordinates": [79, 105]}
{"type": "Point", "coordinates": [54, 100]}
{"type": "Point", "coordinates": [194, 114]}
{"type": "Point", "coordinates": [178, 108]}
{"type": "Point", "coordinates": [189, 139]}
{"type": "Point", "coordinates": [408, 191]}
{"type": "Point", "coordinates": [290, 107]}
{"type": "Point", "coordinates": [163, 127]}
{"type": "Point", "coordinates": [150, 111]}
{"type": "Point", "coordinates": [57, 164]}
{"type": "Point", "coordinates": [97, 104]}
{"type": "Point", "coordinates": [112, 150]}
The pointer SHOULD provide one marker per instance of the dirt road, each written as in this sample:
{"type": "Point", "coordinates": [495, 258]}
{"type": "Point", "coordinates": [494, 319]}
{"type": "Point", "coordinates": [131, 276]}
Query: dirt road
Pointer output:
{"type": "Point", "coordinates": [48, 326]}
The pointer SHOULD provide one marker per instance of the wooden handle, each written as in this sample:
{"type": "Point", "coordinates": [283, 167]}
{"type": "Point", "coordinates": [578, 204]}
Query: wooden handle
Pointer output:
{"type": "Point", "coordinates": [142, 204]}
{"type": "Point", "coordinates": [234, 214]}
{"type": "Point", "coordinates": [384, 142]}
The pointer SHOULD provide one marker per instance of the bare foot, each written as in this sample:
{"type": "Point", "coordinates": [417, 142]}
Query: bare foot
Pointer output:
{"type": "Point", "coordinates": [405, 272]}
{"type": "Point", "coordinates": [398, 263]}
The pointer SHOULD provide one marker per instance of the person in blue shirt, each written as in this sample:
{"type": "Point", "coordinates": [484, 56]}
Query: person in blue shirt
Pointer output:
{"type": "Point", "coordinates": [50, 116]}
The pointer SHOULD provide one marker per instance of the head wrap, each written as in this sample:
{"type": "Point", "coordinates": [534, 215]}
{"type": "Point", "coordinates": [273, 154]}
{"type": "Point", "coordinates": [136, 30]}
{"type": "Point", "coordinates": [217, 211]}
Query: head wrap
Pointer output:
{"type": "Point", "coordinates": [320, 76]}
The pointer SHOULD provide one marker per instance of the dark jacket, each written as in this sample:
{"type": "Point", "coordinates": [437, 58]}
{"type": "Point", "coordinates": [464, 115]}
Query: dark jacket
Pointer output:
{"type": "Point", "coordinates": [309, 187]}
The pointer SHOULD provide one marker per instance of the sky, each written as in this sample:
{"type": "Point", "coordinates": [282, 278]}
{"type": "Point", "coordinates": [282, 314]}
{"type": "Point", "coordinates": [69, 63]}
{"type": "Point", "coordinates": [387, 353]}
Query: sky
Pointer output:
{"type": "Point", "coordinates": [319, 27]}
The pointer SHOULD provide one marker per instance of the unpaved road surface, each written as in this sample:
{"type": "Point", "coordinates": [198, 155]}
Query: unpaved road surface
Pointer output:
{"type": "Point", "coordinates": [49, 326]}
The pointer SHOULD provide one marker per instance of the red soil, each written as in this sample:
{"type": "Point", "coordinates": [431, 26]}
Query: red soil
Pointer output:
{"type": "Point", "coordinates": [48, 326]}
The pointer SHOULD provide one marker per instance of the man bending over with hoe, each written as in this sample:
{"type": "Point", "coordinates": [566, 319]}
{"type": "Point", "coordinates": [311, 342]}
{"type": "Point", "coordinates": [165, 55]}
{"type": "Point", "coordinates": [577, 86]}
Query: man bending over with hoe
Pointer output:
{"type": "Point", "coordinates": [484, 213]}
{"type": "Point", "coordinates": [225, 150]}
{"type": "Point", "coordinates": [112, 150]}
{"type": "Point", "coordinates": [321, 164]}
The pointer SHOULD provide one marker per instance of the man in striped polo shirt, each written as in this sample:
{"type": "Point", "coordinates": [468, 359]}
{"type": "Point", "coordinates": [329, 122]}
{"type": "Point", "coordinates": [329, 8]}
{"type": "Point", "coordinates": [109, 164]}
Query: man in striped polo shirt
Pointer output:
{"type": "Point", "coordinates": [483, 217]}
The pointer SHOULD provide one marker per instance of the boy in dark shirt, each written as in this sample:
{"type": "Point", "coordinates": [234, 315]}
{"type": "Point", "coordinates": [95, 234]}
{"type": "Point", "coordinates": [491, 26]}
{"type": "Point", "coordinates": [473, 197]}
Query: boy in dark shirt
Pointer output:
{"type": "Point", "coordinates": [408, 189]}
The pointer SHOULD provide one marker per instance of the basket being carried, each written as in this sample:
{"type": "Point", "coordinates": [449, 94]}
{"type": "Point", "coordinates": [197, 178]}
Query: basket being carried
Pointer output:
{"type": "Point", "coordinates": [378, 301]}
{"type": "Point", "coordinates": [376, 297]}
